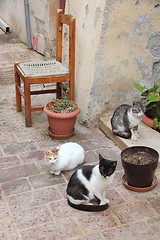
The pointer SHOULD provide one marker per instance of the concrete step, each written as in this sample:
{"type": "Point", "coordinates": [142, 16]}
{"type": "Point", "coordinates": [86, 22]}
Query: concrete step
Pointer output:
{"type": "Point", "coordinates": [148, 136]}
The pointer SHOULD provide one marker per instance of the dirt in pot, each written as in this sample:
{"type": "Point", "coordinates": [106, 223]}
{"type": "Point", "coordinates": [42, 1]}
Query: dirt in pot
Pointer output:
{"type": "Point", "coordinates": [140, 158]}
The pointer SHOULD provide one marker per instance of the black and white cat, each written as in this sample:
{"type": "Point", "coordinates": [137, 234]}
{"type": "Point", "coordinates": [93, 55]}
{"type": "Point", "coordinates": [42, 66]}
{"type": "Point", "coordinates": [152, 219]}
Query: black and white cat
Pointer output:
{"type": "Point", "coordinates": [126, 118]}
{"type": "Point", "coordinates": [87, 186]}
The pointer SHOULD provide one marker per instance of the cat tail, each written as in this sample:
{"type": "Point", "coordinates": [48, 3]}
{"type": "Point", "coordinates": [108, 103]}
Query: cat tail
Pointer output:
{"type": "Point", "coordinates": [88, 208]}
{"type": "Point", "coordinates": [126, 135]}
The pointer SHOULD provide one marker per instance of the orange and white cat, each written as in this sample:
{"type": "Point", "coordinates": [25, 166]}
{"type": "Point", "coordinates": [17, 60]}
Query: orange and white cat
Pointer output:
{"type": "Point", "coordinates": [64, 157]}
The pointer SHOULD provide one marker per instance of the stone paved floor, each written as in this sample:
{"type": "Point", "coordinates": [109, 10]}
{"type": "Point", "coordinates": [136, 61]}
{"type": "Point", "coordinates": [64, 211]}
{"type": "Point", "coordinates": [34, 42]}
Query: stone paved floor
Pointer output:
{"type": "Point", "coordinates": [33, 202]}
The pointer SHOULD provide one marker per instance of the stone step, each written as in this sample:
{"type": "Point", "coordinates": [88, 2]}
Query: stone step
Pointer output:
{"type": "Point", "coordinates": [148, 136]}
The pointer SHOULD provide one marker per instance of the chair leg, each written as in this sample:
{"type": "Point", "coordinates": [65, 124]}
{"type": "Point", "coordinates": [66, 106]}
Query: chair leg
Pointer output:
{"type": "Point", "coordinates": [71, 93]}
{"type": "Point", "coordinates": [18, 95]}
{"type": "Point", "coordinates": [27, 100]}
{"type": "Point", "coordinates": [59, 91]}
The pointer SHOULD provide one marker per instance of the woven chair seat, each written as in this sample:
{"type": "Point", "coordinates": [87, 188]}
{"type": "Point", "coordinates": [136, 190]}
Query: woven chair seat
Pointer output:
{"type": "Point", "coordinates": [43, 68]}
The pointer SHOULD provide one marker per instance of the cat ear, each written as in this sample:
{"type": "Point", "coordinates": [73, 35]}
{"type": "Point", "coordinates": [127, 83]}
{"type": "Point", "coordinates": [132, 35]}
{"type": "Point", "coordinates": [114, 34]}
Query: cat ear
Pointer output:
{"type": "Point", "coordinates": [58, 147]}
{"type": "Point", "coordinates": [100, 157]}
{"type": "Point", "coordinates": [114, 163]}
{"type": "Point", "coordinates": [134, 102]}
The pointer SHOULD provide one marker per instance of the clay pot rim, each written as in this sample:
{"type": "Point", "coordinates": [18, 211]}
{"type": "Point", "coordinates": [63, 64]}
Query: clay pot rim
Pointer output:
{"type": "Point", "coordinates": [61, 115]}
{"type": "Point", "coordinates": [148, 121]}
{"type": "Point", "coordinates": [134, 147]}
{"type": "Point", "coordinates": [138, 189]}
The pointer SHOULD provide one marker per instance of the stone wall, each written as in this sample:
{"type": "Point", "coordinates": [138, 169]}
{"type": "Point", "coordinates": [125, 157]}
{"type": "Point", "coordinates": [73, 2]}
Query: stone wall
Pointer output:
{"type": "Point", "coordinates": [118, 42]}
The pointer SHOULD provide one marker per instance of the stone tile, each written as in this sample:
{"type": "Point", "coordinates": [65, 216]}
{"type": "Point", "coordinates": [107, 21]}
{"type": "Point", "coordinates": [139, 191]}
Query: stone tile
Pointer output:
{"type": "Point", "coordinates": [98, 144]}
{"type": "Point", "coordinates": [131, 231]}
{"type": "Point", "coordinates": [118, 179]}
{"type": "Point", "coordinates": [41, 166]}
{"type": "Point", "coordinates": [133, 212]}
{"type": "Point", "coordinates": [3, 138]}
{"type": "Point", "coordinates": [15, 186]}
{"type": "Point", "coordinates": [31, 157]}
{"type": "Point", "coordinates": [48, 142]}
{"type": "Point", "coordinates": [9, 174]}
{"type": "Point", "coordinates": [68, 174]}
{"type": "Point", "coordinates": [3, 210]}
{"type": "Point", "coordinates": [9, 161]}
{"type": "Point", "coordinates": [83, 133]}
{"type": "Point", "coordinates": [155, 227]}
{"type": "Point", "coordinates": [32, 217]}
{"type": "Point", "coordinates": [47, 179]}
{"type": "Point", "coordinates": [90, 237]}
{"type": "Point", "coordinates": [96, 222]}
{"type": "Point", "coordinates": [34, 198]}
{"type": "Point", "coordinates": [19, 147]}
{"type": "Point", "coordinates": [91, 157]}
{"type": "Point", "coordinates": [155, 202]}
{"type": "Point", "coordinates": [114, 197]}
{"type": "Point", "coordinates": [102, 220]}
{"type": "Point", "coordinates": [57, 230]}
{"type": "Point", "coordinates": [62, 189]}
{"type": "Point", "coordinates": [131, 196]}
{"type": "Point", "coordinates": [8, 230]}
{"type": "Point", "coordinates": [156, 190]}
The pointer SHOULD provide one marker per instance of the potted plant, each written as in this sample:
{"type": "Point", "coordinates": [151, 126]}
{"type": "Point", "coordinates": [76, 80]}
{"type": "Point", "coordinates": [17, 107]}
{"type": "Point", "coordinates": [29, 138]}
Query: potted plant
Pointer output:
{"type": "Point", "coordinates": [139, 163]}
{"type": "Point", "coordinates": [151, 95]}
{"type": "Point", "coordinates": [62, 114]}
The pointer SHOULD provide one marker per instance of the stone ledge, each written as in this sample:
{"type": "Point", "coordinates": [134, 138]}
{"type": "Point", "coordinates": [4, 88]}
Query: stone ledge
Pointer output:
{"type": "Point", "coordinates": [148, 136]}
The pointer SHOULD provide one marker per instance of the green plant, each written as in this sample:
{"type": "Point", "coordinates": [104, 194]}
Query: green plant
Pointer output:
{"type": "Point", "coordinates": [62, 106]}
{"type": "Point", "coordinates": [152, 100]}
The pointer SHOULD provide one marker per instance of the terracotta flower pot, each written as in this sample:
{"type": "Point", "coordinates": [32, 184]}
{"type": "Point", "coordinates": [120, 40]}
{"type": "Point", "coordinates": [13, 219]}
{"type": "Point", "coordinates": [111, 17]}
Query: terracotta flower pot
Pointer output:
{"type": "Point", "coordinates": [61, 125]}
{"type": "Point", "coordinates": [139, 163]}
{"type": "Point", "coordinates": [148, 121]}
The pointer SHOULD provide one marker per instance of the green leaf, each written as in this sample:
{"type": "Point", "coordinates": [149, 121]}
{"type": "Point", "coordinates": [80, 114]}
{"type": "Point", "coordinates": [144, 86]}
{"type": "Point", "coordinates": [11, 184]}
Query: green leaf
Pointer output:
{"type": "Point", "coordinates": [139, 87]}
{"type": "Point", "coordinates": [155, 123]}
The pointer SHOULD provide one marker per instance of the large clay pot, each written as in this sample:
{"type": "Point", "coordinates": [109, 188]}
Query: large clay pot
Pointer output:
{"type": "Point", "coordinates": [138, 173]}
{"type": "Point", "coordinates": [61, 125]}
{"type": "Point", "coordinates": [149, 122]}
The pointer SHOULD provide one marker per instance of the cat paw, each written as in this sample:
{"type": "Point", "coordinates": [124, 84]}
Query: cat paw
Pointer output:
{"type": "Point", "coordinates": [134, 138]}
{"type": "Point", "coordinates": [137, 135]}
{"type": "Point", "coordinates": [105, 201]}
{"type": "Point", "coordinates": [55, 173]}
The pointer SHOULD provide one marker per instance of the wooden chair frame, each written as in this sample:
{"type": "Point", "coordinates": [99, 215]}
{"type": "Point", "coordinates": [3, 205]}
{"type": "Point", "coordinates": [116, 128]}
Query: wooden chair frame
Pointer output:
{"type": "Point", "coordinates": [26, 92]}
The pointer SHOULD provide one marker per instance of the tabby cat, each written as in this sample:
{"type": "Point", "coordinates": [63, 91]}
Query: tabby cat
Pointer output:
{"type": "Point", "coordinates": [87, 186]}
{"type": "Point", "coordinates": [65, 157]}
{"type": "Point", "coordinates": [126, 118]}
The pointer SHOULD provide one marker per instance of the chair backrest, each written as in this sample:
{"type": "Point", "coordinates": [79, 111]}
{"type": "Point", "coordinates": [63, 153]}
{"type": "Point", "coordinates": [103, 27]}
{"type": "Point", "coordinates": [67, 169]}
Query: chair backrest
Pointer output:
{"type": "Point", "coordinates": [71, 22]}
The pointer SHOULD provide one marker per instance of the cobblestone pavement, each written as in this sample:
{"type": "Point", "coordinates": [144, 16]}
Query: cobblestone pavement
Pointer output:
{"type": "Point", "coordinates": [33, 202]}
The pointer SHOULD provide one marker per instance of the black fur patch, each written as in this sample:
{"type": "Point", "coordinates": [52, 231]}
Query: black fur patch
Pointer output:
{"type": "Point", "coordinates": [75, 188]}
{"type": "Point", "coordinates": [87, 171]}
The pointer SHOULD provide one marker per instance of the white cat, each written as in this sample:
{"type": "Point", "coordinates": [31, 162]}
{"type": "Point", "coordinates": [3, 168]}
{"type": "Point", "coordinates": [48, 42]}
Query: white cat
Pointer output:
{"type": "Point", "coordinates": [64, 157]}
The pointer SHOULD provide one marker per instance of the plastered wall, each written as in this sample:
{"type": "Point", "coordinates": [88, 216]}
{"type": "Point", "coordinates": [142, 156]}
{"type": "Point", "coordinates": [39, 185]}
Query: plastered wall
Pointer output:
{"type": "Point", "coordinates": [118, 42]}
{"type": "Point", "coordinates": [42, 19]}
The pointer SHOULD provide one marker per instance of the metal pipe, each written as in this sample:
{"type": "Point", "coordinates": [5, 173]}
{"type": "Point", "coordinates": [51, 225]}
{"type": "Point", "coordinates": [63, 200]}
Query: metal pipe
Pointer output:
{"type": "Point", "coordinates": [4, 26]}
{"type": "Point", "coordinates": [28, 23]}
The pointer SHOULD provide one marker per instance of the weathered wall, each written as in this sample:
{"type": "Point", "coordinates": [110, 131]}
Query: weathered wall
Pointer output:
{"type": "Point", "coordinates": [118, 42]}
{"type": "Point", "coordinates": [42, 18]}
{"type": "Point", "coordinates": [13, 14]}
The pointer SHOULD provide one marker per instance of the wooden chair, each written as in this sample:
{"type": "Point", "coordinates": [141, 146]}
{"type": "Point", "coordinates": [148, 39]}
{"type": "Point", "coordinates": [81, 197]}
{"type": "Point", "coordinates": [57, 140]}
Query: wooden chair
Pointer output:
{"type": "Point", "coordinates": [44, 72]}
